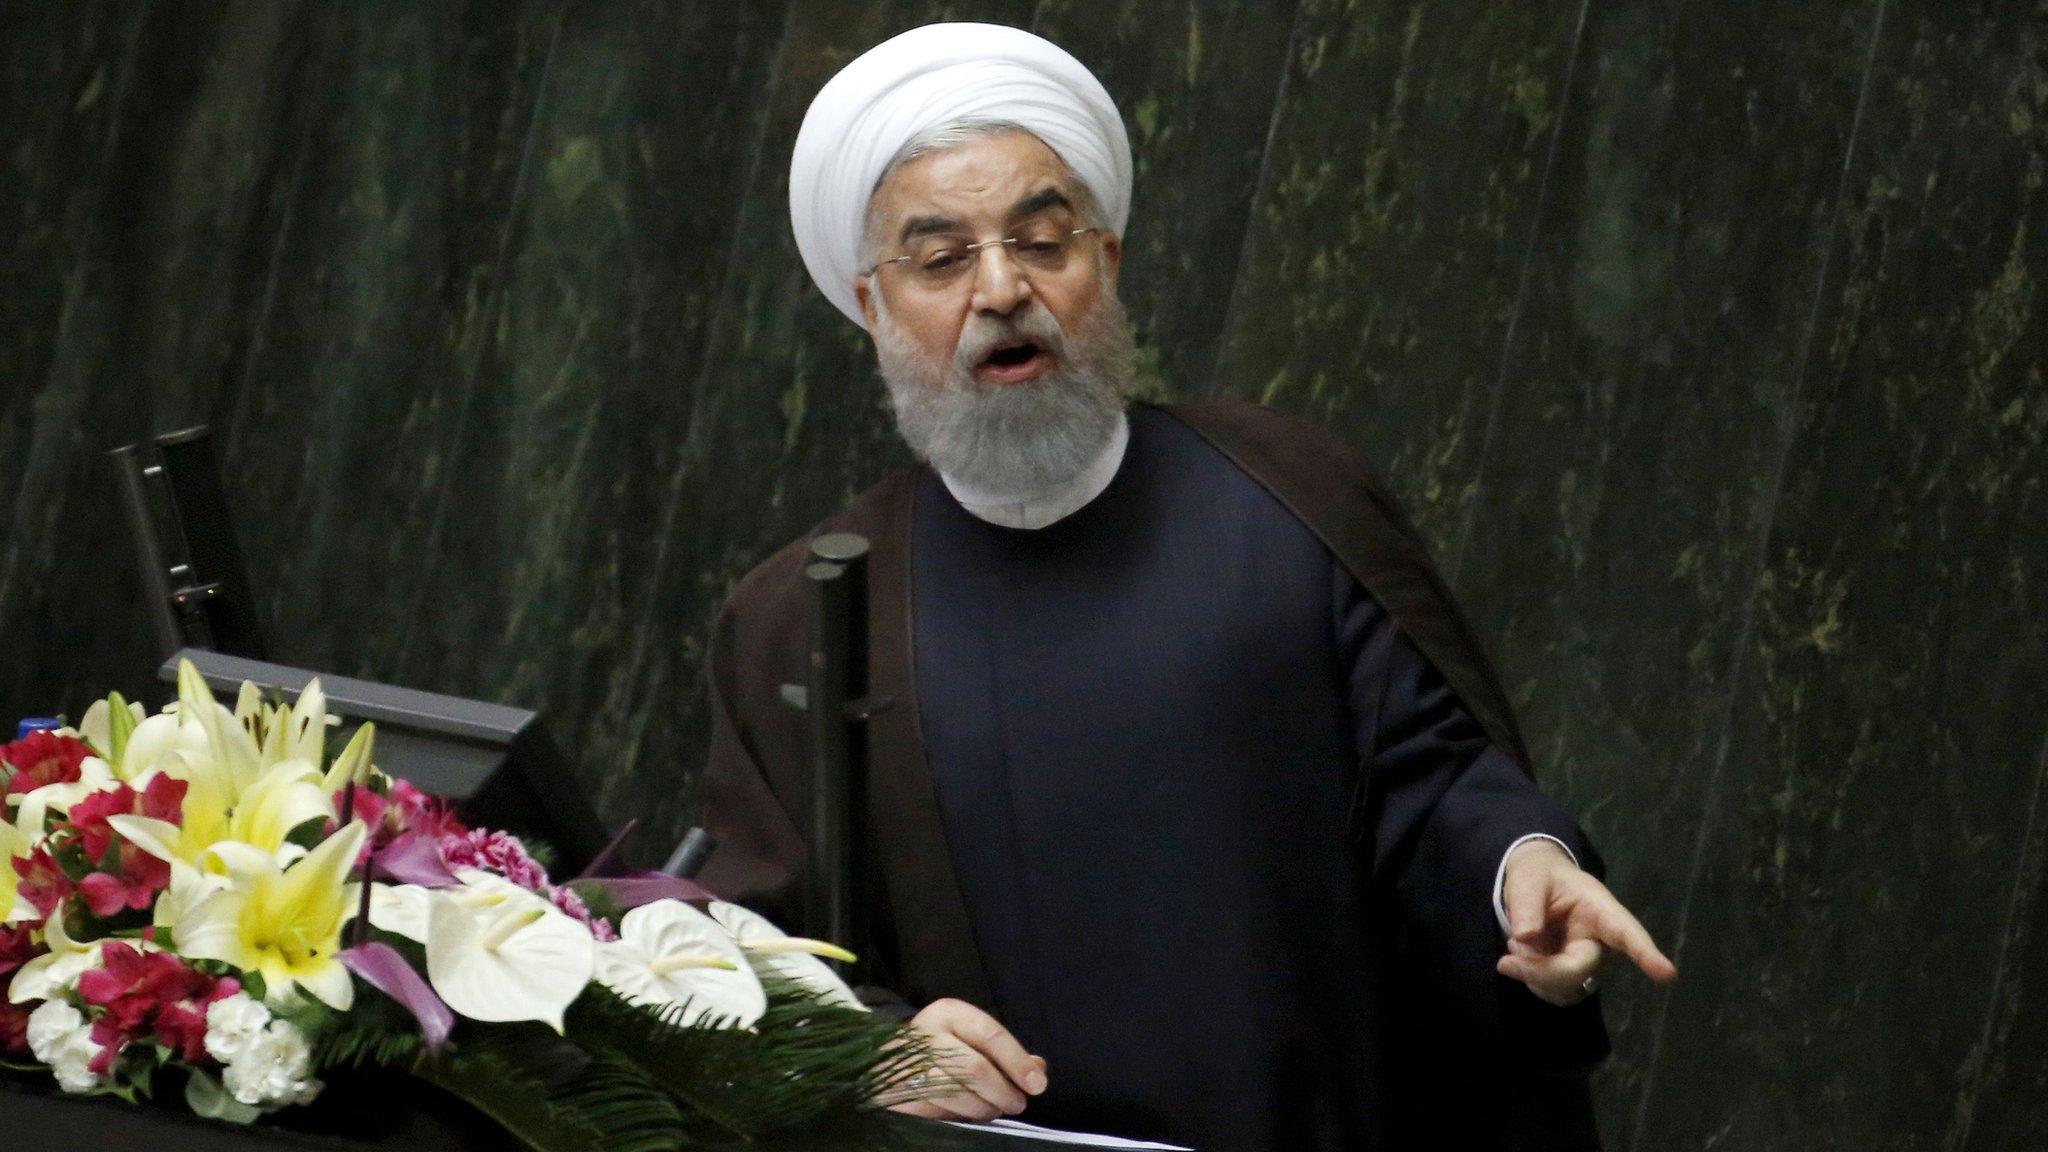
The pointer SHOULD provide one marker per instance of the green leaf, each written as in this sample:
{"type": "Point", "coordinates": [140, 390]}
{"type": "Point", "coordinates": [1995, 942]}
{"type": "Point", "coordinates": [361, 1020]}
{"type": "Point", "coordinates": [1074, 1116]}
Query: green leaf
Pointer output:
{"type": "Point", "coordinates": [594, 1107]}
{"type": "Point", "coordinates": [807, 1061]}
{"type": "Point", "coordinates": [206, 1097]}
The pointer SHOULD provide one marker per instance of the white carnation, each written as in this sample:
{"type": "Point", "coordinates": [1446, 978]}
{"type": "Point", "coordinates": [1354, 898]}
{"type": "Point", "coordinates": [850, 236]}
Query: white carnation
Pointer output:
{"type": "Point", "coordinates": [59, 1036]}
{"type": "Point", "coordinates": [49, 1025]}
{"type": "Point", "coordinates": [273, 1069]}
{"type": "Point", "coordinates": [72, 1057]}
{"type": "Point", "coordinates": [231, 1024]}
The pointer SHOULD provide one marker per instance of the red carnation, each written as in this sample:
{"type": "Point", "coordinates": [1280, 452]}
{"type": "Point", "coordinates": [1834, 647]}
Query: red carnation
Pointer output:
{"type": "Point", "coordinates": [41, 758]}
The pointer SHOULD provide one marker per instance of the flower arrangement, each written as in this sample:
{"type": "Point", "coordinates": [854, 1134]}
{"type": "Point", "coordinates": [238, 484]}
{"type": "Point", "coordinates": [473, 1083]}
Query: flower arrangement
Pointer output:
{"type": "Point", "coordinates": [204, 894]}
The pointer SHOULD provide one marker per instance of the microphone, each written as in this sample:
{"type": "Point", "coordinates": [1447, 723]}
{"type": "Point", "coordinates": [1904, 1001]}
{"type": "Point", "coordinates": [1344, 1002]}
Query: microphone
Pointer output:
{"type": "Point", "coordinates": [690, 856]}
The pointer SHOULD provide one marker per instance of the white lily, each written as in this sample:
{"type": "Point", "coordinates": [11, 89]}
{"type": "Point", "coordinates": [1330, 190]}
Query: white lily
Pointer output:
{"type": "Point", "coordinates": [670, 953]}
{"type": "Point", "coordinates": [135, 743]}
{"type": "Point", "coordinates": [234, 755]}
{"type": "Point", "coordinates": [498, 952]}
{"type": "Point", "coordinates": [58, 969]}
{"type": "Point", "coordinates": [792, 957]}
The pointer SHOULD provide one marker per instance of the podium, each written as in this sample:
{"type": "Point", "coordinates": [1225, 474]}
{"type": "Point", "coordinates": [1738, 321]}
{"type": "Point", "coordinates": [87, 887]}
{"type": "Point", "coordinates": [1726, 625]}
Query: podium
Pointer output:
{"type": "Point", "coordinates": [370, 1113]}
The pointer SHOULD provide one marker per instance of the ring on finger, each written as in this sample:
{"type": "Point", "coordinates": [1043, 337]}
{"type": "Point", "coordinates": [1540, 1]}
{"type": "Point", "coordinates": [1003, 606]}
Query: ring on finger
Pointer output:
{"type": "Point", "coordinates": [1589, 985]}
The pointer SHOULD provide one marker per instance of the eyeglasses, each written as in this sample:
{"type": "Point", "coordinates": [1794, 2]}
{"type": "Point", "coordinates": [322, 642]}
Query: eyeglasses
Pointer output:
{"type": "Point", "coordinates": [944, 261]}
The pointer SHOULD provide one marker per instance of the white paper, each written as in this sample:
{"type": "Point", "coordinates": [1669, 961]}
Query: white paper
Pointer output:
{"type": "Point", "coordinates": [1055, 1136]}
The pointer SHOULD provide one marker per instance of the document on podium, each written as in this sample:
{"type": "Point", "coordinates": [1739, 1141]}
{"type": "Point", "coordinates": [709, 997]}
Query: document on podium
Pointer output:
{"type": "Point", "coordinates": [1055, 1136]}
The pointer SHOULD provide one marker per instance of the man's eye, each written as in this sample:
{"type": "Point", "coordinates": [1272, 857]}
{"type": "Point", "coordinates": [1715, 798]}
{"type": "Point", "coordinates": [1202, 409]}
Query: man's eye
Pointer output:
{"type": "Point", "coordinates": [1038, 247]}
{"type": "Point", "coordinates": [943, 260]}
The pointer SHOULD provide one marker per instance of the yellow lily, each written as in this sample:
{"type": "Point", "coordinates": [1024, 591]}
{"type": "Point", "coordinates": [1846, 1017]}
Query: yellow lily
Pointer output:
{"type": "Point", "coordinates": [283, 797]}
{"type": "Point", "coordinates": [283, 922]}
{"type": "Point", "coordinates": [13, 842]}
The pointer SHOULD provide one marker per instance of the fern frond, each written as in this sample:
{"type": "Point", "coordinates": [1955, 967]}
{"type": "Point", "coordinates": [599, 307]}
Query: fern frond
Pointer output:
{"type": "Point", "coordinates": [552, 1095]}
{"type": "Point", "coordinates": [376, 1034]}
{"type": "Point", "coordinates": [806, 1061]}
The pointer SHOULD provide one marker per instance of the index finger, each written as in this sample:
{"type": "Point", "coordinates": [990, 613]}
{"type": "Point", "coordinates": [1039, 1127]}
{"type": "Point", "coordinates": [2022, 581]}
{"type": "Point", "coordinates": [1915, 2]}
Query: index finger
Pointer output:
{"type": "Point", "coordinates": [1620, 930]}
{"type": "Point", "coordinates": [980, 1031]}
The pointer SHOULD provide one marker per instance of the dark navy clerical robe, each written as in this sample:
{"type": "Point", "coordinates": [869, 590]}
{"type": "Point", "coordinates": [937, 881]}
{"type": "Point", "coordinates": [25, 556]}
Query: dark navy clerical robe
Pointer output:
{"type": "Point", "coordinates": [1158, 729]}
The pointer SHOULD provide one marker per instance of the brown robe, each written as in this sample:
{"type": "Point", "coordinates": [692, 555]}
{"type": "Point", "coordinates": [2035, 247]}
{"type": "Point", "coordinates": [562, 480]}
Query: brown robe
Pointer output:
{"type": "Point", "coordinates": [758, 776]}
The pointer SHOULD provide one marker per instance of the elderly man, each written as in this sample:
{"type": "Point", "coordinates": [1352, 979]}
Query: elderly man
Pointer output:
{"type": "Point", "coordinates": [1201, 815]}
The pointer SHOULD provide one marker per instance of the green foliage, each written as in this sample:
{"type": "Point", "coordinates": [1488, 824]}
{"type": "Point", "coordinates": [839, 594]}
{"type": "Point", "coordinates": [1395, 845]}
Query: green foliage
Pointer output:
{"type": "Point", "coordinates": [553, 1096]}
{"type": "Point", "coordinates": [627, 1078]}
{"type": "Point", "coordinates": [377, 1033]}
{"type": "Point", "coordinates": [807, 1060]}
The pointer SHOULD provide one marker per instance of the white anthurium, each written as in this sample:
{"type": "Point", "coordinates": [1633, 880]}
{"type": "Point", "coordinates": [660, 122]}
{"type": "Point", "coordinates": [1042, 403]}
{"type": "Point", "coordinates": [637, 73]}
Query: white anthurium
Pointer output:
{"type": "Point", "coordinates": [495, 957]}
{"type": "Point", "coordinates": [401, 909]}
{"type": "Point", "coordinates": [407, 909]}
{"type": "Point", "coordinates": [792, 957]}
{"type": "Point", "coordinates": [670, 953]}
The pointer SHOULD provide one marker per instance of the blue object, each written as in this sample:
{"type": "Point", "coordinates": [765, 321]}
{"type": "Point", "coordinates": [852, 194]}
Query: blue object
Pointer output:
{"type": "Point", "coordinates": [36, 724]}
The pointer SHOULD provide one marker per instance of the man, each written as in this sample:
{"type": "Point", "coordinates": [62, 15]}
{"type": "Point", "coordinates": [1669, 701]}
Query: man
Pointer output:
{"type": "Point", "coordinates": [1200, 814]}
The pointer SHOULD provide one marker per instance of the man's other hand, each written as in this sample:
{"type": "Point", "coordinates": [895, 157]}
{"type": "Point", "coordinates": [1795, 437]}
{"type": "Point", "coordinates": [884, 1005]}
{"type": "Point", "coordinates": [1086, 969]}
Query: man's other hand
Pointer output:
{"type": "Point", "coordinates": [1562, 921]}
{"type": "Point", "coordinates": [994, 1073]}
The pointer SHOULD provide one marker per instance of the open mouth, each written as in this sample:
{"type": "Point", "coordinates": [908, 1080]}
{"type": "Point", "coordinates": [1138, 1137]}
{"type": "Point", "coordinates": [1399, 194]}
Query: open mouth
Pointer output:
{"type": "Point", "coordinates": [1013, 357]}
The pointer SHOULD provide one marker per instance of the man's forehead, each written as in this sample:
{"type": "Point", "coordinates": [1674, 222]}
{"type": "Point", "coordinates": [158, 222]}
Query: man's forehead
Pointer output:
{"type": "Point", "coordinates": [981, 177]}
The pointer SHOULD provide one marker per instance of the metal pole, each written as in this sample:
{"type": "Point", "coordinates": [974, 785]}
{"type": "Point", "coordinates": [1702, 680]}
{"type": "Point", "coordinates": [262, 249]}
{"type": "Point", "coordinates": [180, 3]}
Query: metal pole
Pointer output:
{"type": "Point", "coordinates": [134, 477]}
{"type": "Point", "coordinates": [836, 675]}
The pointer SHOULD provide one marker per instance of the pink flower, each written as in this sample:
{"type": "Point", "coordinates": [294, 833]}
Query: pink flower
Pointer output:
{"type": "Point", "coordinates": [164, 799]}
{"type": "Point", "coordinates": [369, 808]}
{"type": "Point", "coordinates": [419, 812]}
{"type": "Point", "coordinates": [498, 852]}
{"type": "Point", "coordinates": [14, 1027]}
{"type": "Point", "coordinates": [145, 991]}
{"type": "Point", "coordinates": [41, 758]}
{"type": "Point", "coordinates": [570, 903]}
{"type": "Point", "coordinates": [16, 949]}
{"type": "Point", "coordinates": [43, 882]}
{"type": "Point", "coordinates": [133, 885]}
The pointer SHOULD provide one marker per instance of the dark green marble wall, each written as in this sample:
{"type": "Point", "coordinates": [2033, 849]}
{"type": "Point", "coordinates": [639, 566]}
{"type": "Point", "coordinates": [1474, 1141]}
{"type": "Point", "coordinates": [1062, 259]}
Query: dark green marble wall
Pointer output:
{"type": "Point", "coordinates": [1702, 340]}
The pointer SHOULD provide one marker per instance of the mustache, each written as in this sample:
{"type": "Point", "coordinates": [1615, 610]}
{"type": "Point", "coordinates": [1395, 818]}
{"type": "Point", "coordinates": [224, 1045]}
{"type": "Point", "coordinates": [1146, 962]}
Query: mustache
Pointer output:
{"type": "Point", "coordinates": [984, 334]}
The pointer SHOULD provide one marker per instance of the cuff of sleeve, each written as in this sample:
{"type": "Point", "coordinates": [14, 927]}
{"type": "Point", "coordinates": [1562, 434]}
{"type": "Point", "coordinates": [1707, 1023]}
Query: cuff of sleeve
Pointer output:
{"type": "Point", "coordinates": [1500, 874]}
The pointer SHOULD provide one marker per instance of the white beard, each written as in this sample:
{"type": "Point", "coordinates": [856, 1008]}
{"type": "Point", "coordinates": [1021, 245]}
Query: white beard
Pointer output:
{"type": "Point", "coordinates": [1016, 440]}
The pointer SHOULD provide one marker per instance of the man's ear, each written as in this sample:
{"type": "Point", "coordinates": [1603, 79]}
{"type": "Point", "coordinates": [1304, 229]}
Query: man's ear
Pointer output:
{"type": "Point", "coordinates": [866, 300]}
{"type": "Point", "coordinates": [1112, 251]}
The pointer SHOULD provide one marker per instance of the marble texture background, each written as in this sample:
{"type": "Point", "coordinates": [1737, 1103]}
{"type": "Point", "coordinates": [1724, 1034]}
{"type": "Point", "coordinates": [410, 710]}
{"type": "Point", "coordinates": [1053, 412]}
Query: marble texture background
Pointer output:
{"type": "Point", "coordinates": [1704, 342]}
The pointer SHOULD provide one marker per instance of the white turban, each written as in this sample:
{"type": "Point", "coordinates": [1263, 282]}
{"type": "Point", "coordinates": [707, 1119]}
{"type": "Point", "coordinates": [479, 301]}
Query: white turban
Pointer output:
{"type": "Point", "coordinates": [941, 74]}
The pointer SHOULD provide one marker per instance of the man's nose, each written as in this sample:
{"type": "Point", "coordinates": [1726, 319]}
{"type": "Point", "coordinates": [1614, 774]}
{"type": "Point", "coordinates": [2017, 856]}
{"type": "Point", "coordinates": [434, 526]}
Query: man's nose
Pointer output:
{"type": "Point", "coordinates": [999, 285]}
